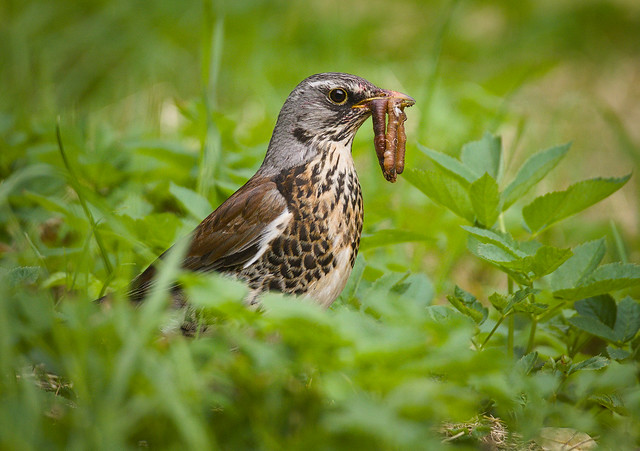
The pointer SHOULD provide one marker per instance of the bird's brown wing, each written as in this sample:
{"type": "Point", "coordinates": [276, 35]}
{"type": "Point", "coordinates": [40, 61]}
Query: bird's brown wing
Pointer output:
{"type": "Point", "coordinates": [228, 237]}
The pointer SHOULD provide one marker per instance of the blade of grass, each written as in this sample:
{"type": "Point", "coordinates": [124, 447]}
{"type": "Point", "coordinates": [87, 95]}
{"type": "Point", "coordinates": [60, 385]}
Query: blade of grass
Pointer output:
{"type": "Point", "coordinates": [76, 187]}
{"type": "Point", "coordinates": [434, 66]}
{"type": "Point", "coordinates": [210, 146]}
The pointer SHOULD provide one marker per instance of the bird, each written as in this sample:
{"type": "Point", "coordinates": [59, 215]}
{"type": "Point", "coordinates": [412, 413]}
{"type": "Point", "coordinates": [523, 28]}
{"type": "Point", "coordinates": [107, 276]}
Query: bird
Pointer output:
{"type": "Point", "coordinates": [294, 227]}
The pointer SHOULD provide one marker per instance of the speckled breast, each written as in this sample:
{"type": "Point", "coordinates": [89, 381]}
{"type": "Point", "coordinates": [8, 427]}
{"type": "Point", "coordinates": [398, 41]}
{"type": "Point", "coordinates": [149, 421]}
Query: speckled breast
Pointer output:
{"type": "Point", "coordinates": [316, 251]}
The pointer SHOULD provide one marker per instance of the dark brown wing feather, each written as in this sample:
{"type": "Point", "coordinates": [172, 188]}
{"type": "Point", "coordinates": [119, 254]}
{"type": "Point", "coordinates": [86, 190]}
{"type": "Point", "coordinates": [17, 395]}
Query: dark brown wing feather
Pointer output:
{"type": "Point", "coordinates": [228, 237]}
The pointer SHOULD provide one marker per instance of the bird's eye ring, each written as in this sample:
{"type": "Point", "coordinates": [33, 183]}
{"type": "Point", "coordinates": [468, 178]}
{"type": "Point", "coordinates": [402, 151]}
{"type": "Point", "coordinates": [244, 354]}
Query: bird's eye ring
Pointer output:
{"type": "Point", "coordinates": [338, 96]}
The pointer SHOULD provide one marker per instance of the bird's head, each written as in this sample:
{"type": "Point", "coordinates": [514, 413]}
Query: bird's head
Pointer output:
{"type": "Point", "coordinates": [323, 109]}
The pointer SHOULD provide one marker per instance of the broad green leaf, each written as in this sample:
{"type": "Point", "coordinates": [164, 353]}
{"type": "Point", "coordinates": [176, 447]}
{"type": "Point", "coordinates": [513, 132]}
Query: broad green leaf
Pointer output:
{"type": "Point", "coordinates": [603, 308]}
{"type": "Point", "coordinates": [617, 353]}
{"type": "Point", "coordinates": [627, 320]}
{"type": "Point", "coordinates": [468, 305]}
{"type": "Point", "coordinates": [607, 278]}
{"type": "Point", "coordinates": [483, 156]}
{"type": "Point", "coordinates": [443, 189]}
{"type": "Point", "coordinates": [387, 237]}
{"type": "Point", "coordinates": [498, 256]}
{"type": "Point", "coordinates": [531, 172]}
{"type": "Point", "coordinates": [593, 326]}
{"type": "Point", "coordinates": [553, 207]}
{"type": "Point", "coordinates": [450, 164]}
{"type": "Point", "coordinates": [547, 259]}
{"type": "Point", "coordinates": [581, 264]}
{"type": "Point", "coordinates": [196, 204]}
{"type": "Point", "coordinates": [601, 317]}
{"type": "Point", "coordinates": [503, 240]}
{"type": "Point", "coordinates": [597, 316]}
{"type": "Point", "coordinates": [485, 199]}
{"type": "Point", "coordinates": [495, 254]}
{"type": "Point", "coordinates": [594, 363]}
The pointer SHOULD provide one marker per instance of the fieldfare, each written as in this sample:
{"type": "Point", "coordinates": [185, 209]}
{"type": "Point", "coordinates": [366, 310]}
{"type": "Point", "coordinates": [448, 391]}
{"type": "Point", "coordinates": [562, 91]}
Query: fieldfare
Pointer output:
{"type": "Point", "coordinates": [295, 226]}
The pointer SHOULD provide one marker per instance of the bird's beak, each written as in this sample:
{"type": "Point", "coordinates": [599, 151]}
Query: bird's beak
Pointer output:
{"type": "Point", "coordinates": [405, 100]}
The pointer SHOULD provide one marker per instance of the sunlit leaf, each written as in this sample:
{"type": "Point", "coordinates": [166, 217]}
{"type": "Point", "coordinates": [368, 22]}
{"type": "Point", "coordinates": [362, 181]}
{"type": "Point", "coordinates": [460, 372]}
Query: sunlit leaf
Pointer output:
{"type": "Point", "coordinates": [531, 172]}
{"type": "Point", "coordinates": [485, 199]}
{"type": "Point", "coordinates": [443, 189]}
{"type": "Point", "coordinates": [606, 278]}
{"type": "Point", "coordinates": [450, 164]}
{"type": "Point", "coordinates": [585, 259]}
{"type": "Point", "coordinates": [553, 207]}
{"type": "Point", "coordinates": [483, 156]}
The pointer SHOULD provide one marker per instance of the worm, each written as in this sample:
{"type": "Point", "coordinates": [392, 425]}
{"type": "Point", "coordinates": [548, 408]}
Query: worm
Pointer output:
{"type": "Point", "coordinates": [402, 142]}
{"type": "Point", "coordinates": [389, 137]}
{"type": "Point", "coordinates": [391, 142]}
{"type": "Point", "coordinates": [379, 112]}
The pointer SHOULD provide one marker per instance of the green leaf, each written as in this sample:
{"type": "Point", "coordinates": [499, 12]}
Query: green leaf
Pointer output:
{"type": "Point", "coordinates": [601, 317]}
{"type": "Point", "coordinates": [483, 156]}
{"type": "Point", "coordinates": [196, 204]}
{"type": "Point", "coordinates": [627, 320]}
{"type": "Point", "coordinates": [450, 164]}
{"type": "Point", "coordinates": [468, 305]}
{"type": "Point", "coordinates": [584, 261]}
{"type": "Point", "coordinates": [23, 275]}
{"type": "Point", "coordinates": [503, 240]}
{"type": "Point", "coordinates": [387, 237]}
{"type": "Point", "coordinates": [531, 172]}
{"type": "Point", "coordinates": [553, 207]}
{"type": "Point", "coordinates": [443, 189]}
{"type": "Point", "coordinates": [547, 259]}
{"type": "Point", "coordinates": [602, 308]}
{"type": "Point", "coordinates": [498, 256]}
{"type": "Point", "coordinates": [606, 278]}
{"type": "Point", "coordinates": [594, 363]}
{"type": "Point", "coordinates": [527, 362]}
{"type": "Point", "coordinates": [617, 353]}
{"type": "Point", "coordinates": [494, 254]}
{"type": "Point", "coordinates": [485, 199]}
{"type": "Point", "coordinates": [499, 301]}
{"type": "Point", "coordinates": [597, 316]}
{"type": "Point", "coordinates": [612, 401]}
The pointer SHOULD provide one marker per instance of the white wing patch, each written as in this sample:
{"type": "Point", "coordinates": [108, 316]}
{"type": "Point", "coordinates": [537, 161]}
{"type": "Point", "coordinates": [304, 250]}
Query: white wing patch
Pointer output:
{"type": "Point", "coordinates": [271, 231]}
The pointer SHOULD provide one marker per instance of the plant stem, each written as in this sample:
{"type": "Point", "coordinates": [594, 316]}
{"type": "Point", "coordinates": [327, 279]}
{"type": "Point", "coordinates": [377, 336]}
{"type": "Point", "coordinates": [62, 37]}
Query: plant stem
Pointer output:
{"type": "Point", "coordinates": [532, 335]}
{"type": "Point", "coordinates": [511, 320]}
{"type": "Point", "coordinates": [76, 186]}
{"type": "Point", "coordinates": [492, 331]}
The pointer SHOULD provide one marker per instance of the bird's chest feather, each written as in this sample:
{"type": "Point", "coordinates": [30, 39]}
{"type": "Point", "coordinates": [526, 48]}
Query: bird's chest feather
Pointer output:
{"type": "Point", "coordinates": [317, 249]}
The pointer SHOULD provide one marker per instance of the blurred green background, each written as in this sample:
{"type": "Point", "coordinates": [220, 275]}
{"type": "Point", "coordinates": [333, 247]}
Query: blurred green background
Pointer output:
{"type": "Point", "coordinates": [166, 108]}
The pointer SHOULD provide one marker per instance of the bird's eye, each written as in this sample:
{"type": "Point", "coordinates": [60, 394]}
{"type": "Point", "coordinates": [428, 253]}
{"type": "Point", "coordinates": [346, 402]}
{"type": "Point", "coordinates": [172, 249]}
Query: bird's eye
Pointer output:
{"type": "Point", "coordinates": [338, 96]}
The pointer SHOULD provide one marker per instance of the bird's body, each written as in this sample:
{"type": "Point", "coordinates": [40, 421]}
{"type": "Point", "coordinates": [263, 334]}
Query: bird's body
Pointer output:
{"type": "Point", "coordinates": [295, 226]}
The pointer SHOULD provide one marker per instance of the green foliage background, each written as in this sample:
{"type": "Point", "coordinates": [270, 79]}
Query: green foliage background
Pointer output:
{"type": "Point", "coordinates": [166, 107]}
